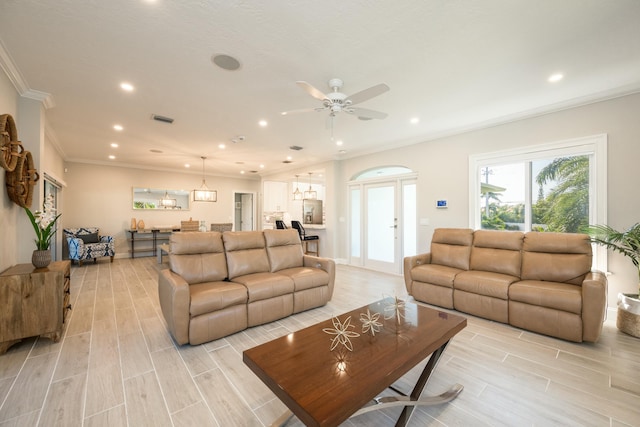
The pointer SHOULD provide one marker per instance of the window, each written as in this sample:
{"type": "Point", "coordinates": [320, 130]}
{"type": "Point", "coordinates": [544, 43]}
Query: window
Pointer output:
{"type": "Point", "coordinates": [552, 187]}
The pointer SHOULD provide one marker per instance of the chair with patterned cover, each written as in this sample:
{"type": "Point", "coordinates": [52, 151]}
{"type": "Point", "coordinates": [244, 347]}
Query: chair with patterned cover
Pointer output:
{"type": "Point", "coordinates": [86, 243]}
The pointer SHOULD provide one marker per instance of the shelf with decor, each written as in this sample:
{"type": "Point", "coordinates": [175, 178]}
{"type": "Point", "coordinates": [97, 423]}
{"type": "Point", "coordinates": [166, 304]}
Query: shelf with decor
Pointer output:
{"type": "Point", "coordinates": [147, 241]}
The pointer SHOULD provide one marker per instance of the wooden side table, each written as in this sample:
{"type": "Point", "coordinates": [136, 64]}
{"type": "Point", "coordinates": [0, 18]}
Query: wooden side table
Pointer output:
{"type": "Point", "coordinates": [33, 302]}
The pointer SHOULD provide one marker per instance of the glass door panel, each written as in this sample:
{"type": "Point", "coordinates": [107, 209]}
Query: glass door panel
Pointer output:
{"type": "Point", "coordinates": [381, 226]}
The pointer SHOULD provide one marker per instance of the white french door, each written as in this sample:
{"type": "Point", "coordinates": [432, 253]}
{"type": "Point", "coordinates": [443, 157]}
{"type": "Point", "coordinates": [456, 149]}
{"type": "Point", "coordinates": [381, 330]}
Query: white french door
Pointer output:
{"type": "Point", "coordinates": [382, 223]}
{"type": "Point", "coordinates": [51, 188]}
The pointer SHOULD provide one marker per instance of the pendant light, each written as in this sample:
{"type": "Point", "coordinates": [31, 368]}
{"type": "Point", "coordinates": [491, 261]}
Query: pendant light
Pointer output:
{"type": "Point", "coordinates": [310, 194]}
{"type": "Point", "coordinates": [203, 194]}
{"type": "Point", "coordinates": [297, 195]}
{"type": "Point", "coordinates": [167, 202]}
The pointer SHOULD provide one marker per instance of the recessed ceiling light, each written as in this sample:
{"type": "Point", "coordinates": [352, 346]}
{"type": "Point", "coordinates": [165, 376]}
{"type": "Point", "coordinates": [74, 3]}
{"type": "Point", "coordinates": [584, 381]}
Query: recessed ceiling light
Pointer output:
{"type": "Point", "coordinates": [242, 172]}
{"type": "Point", "coordinates": [263, 123]}
{"type": "Point", "coordinates": [118, 127]}
{"type": "Point", "coordinates": [114, 144]}
{"type": "Point", "coordinates": [289, 158]}
{"type": "Point", "coordinates": [112, 157]}
{"type": "Point", "coordinates": [226, 62]}
{"type": "Point", "coordinates": [339, 143]}
{"type": "Point", "coordinates": [261, 166]}
{"type": "Point", "coordinates": [187, 165]}
{"type": "Point", "coordinates": [127, 87]}
{"type": "Point", "coordinates": [414, 120]}
{"type": "Point", "coordinates": [553, 78]}
{"type": "Point", "coordinates": [222, 146]}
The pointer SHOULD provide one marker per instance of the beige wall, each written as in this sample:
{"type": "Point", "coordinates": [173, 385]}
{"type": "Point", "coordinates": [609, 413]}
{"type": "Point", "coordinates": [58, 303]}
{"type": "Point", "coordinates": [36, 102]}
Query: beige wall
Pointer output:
{"type": "Point", "coordinates": [8, 210]}
{"type": "Point", "coordinates": [101, 196]}
{"type": "Point", "coordinates": [442, 167]}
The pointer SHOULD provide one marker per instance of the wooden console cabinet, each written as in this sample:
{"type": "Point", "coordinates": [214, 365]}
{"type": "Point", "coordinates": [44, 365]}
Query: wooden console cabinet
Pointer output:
{"type": "Point", "coordinates": [33, 302]}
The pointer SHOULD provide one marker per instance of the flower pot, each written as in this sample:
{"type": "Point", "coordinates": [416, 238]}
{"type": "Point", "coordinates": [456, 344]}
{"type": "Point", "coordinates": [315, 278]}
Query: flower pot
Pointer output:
{"type": "Point", "coordinates": [41, 259]}
{"type": "Point", "coordinates": [628, 320]}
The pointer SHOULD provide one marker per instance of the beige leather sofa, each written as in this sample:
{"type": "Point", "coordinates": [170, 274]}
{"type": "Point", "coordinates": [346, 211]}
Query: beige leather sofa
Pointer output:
{"type": "Point", "coordinates": [537, 281]}
{"type": "Point", "coordinates": [221, 283]}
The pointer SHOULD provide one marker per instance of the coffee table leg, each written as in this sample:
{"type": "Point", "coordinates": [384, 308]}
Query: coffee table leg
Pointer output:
{"type": "Point", "coordinates": [411, 401]}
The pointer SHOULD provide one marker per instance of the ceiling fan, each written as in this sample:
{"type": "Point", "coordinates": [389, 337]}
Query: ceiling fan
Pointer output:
{"type": "Point", "coordinates": [336, 101]}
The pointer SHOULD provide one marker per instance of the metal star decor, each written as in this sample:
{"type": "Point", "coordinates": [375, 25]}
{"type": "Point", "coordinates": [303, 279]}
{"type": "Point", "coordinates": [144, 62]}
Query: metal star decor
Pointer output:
{"type": "Point", "coordinates": [394, 308]}
{"type": "Point", "coordinates": [370, 322]}
{"type": "Point", "coordinates": [342, 333]}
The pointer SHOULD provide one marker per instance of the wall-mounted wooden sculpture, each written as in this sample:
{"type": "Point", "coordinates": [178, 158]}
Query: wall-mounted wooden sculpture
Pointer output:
{"type": "Point", "coordinates": [20, 172]}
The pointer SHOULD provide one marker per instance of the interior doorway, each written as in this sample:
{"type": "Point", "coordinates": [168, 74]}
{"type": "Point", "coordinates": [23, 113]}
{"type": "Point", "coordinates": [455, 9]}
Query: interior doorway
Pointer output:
{"type": "Point", "coordinates": [244, 212]}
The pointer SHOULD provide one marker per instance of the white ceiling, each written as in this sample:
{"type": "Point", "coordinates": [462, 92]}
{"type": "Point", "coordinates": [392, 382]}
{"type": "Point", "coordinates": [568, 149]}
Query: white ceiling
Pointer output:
{"type": "Point", "coordinates": [457, 65]}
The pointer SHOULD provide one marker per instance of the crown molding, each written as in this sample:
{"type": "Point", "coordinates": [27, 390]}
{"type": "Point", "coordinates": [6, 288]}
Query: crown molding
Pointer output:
{"type": "Point", "coordinates": [44, 97]}
{"type": "Point", "coordinates": [15, 76]}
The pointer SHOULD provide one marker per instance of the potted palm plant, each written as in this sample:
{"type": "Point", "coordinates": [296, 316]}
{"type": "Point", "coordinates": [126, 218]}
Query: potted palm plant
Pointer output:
{"type": "Point", "coordinates": [626, 242]}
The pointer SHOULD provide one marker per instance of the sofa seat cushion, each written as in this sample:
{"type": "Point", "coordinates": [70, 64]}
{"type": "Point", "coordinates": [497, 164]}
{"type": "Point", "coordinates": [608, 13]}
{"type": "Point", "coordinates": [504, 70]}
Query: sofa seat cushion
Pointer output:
{"type": "Point", "coordinates": [306, 277]}
{"type": "Point", "coordinates": [213, 296]}
{"type": "Point", "coordinates": [495, 285]}
{"type": "Point", "coordinates": [558, 296]}
{"type": "Point", "coordinates": [435, 274]}
{"type": "Point", "coordinates": [261, 286]}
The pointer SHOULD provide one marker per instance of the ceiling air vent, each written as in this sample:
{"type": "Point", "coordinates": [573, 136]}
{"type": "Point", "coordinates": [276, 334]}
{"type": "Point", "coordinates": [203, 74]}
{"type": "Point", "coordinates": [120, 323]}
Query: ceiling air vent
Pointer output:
{"type": "Point", "coordinates": [162, 119]}
{"type": "Point", "coordinates": [295, 148]}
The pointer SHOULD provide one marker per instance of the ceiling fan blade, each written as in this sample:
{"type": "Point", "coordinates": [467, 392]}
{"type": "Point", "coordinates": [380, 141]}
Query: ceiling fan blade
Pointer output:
{"type": "Point", "coordinates": [366, 113]}
{"type": "Point", "coordinates": [367, 94]}
{"type": "Point", "coordinates": [302, 110]}
{"type": "Point", "coordinates": [316, 93]}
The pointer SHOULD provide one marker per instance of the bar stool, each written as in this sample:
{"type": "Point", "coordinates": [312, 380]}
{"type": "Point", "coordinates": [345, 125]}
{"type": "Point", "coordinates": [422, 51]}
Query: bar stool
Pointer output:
{"type": "Point", "coordinates": [305, 238]}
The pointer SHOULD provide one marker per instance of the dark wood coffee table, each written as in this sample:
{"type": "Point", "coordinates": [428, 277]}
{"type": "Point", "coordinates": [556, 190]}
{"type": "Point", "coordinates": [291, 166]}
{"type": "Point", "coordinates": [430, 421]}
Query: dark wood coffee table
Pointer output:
{"type": "Point", "coordinates": [324, 388]}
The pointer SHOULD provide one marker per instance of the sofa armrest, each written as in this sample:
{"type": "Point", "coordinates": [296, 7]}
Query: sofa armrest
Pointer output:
{"type": "Point", "coordinates": [409, 263]}
{"type": "Point", "coordinates": [106, 239]}
{"type": "Point", "coordinates": [325, 264]}
{"type": "Point", "coordinates": [175, 299]}
{"type": "Point", "coordinates": [594, 305]}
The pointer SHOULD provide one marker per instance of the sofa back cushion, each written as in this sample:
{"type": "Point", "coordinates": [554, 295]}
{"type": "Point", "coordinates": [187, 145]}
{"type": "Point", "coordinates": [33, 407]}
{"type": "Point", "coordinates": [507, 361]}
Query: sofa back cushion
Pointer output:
{"type": "Point", "coordinates": [197, 257]}
{"type": "Point", "coordinates": [246, 253]}
{"type": "Point", "coordinates": [556, 257]}
{"type": "Point", "coordinates": [451, 247]}
{"type": "Point", "coordinates": [497, 251]}
{"type": "Point", "coordinates": [284, 248]}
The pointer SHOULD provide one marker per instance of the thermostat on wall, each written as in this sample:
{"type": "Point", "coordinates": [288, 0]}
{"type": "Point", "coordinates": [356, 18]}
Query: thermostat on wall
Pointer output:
{"type": "Point", "coordinates": [441, 204]}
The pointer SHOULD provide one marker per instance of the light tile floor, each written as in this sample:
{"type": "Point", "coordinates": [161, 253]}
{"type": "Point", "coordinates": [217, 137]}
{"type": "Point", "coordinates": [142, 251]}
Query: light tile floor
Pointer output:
{"type": "Point", "coordinates": [118, 366]}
